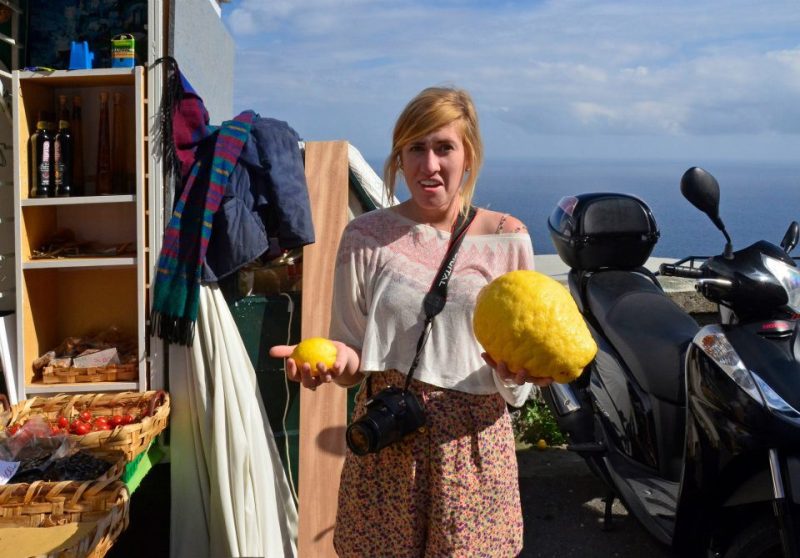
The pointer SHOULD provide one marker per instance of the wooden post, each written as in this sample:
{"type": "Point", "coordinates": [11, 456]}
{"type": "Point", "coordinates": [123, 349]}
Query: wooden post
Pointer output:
{"type": "Point", "coordinates": [323, 413]}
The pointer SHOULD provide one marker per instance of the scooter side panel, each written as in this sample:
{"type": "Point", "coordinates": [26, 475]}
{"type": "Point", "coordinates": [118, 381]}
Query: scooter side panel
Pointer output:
{"type": "Point", "coordinates": [772, 357]}
{"type": "Point", "coordinates": [624, 409]}
{"type": "Point", "coordinates": [729, 435]}
{"type": "Point", "coordinates": [727, 415]}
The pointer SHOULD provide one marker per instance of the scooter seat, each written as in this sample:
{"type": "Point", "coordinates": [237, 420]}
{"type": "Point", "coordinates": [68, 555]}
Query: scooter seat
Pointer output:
{"type": "Point", "coordinates": [649, 331]}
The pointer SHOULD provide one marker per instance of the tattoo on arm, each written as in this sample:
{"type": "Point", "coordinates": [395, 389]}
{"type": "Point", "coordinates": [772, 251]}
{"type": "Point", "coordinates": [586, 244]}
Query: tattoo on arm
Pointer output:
{"type": "Point", "coordinates": [519, 228]}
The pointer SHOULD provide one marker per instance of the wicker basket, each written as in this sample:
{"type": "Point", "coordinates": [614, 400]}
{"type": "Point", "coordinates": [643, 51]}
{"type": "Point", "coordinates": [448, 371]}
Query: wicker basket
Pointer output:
{"type": "Point", "coordinates": [116, 460]}
{"type": "Point", "coordinates": [102, 504]}
{"type": "Point", "coordinates": [130, 439]}
{"type": "Point", "coordinates": [111, 373]}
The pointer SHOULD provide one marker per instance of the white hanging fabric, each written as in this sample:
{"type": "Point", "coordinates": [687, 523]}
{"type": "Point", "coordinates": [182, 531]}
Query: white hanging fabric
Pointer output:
{"type": "Point", "coordinates": [230, 496]}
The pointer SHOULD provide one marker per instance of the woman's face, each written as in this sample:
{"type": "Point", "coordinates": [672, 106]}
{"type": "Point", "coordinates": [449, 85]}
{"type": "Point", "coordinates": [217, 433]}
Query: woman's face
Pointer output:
{"type": "Point", "coordinates": [433, 167]}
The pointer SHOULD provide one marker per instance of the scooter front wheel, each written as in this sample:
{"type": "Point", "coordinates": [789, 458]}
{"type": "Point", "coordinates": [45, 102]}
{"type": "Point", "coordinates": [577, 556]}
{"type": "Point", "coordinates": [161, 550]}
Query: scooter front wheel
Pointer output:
{"type": "Point", "coordinates": [759, 540]}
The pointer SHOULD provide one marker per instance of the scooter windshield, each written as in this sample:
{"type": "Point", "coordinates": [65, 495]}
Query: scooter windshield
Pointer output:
{"type": "Point", "coordinates": [789, 277]}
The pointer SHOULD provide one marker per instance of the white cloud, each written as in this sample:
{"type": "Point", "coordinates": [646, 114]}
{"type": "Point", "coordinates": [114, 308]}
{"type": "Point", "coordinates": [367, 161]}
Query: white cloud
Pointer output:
{"type": "Point", "coordinates": [251, 17]}
{"type": "Point", "coordinates": [635, 73]}
{"type": "Point", "coordinates": [589, 113]}
{"type": "Point", "coordinates": [558, 67]}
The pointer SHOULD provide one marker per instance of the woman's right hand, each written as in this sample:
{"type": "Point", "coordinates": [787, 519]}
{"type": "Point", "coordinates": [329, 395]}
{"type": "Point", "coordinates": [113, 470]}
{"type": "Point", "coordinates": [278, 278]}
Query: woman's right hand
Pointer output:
{"type": "Point", "coordinates": [290, 365]}
{"type": "Point", "coordinates": [343, 372]}
{"type": "Point", "coordinates": [518, 377]}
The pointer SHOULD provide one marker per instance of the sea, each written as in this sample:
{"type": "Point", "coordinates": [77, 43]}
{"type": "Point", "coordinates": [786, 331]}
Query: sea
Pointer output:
{"type": "Point", "coordinates": [758, 200]}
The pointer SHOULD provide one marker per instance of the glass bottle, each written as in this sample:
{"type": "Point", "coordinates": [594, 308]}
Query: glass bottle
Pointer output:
{"type": "Point", "coordinates": [77, 147]}
{"type": "Point", "coordinates": [42, 158]}
{"type": "Point", "coordinates": [63, 110]}
{"type": "Point", "coordinates": [63, 160]}
{"type": "Point", "coordinates": [103, 184]}
{"type": "Point", "coordinates": [119, 175]}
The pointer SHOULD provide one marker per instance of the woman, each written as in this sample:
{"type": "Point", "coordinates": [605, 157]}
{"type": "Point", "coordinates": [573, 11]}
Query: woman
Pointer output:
{"type": "Point", "coordinates": [451, 489]}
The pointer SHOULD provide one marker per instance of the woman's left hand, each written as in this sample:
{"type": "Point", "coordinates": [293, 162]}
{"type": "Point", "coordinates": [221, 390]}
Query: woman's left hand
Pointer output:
{"type": "Point", "coordinates": [518, 377]}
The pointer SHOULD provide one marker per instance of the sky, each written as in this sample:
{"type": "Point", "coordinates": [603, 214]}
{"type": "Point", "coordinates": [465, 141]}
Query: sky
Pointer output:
{"type": "Point", "coordinates": [588, 79]}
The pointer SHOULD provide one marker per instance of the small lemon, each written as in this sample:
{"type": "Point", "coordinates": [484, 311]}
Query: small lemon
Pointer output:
{"type": "Point", "coordinates": [314, 350]}
{"type": "Point", "coordinates": [541, 444]}
{"type": "Point", "coordinates": [530, 321]}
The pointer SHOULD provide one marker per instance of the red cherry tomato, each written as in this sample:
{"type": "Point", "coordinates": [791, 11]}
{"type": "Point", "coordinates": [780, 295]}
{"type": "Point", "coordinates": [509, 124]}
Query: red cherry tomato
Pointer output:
{"type": "Point", "coordinates": [99, 421]}
{"type": "Point", "coordinates": [12, 429]}
{"type": "Point", "coordinates": [63, 422]}
{"type": "Point", "coordinates": [82, 429]}
{"type": "Point", "coordinates": [128, 418]}
{"type": "Point", "coordinates": [73, 426]}
{"type": "Point", "coordinates": [116, 420]}
{"type": "Point", "coordinates": [85, 416]}
{"type": "Point", "coordinates": [55, 430]}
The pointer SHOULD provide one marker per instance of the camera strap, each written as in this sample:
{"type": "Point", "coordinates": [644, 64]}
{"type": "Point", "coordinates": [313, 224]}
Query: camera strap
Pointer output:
{"type": "Point", "coordinates": [434, 301]}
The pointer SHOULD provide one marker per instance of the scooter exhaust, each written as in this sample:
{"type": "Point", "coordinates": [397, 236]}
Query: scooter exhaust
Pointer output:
{"type": "Point", "coordinates": [564, 399]}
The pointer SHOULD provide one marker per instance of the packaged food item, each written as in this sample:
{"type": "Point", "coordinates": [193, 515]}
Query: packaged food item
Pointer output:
{"type": "Point", "coordinates": [123, 51]}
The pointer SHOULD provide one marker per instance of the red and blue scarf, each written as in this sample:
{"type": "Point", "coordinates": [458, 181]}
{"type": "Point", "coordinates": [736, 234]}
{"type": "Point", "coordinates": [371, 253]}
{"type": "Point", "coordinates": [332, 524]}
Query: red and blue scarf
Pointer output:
{"type": "Point", "coordinates": [184, 124]}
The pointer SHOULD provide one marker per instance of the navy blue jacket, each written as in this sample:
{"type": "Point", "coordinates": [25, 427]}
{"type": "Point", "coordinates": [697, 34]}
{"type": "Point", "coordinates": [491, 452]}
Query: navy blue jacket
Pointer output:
{"type": "Point", "coordinates": [266, 200]}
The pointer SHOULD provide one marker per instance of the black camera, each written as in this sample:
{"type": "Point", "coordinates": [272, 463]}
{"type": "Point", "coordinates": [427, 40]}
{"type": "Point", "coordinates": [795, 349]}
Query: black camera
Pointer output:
{"type": "Point", "coordinates": [391, 414]}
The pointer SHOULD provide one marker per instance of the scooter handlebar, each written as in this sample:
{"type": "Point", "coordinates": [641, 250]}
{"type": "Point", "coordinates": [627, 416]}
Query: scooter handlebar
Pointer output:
{"type": "Point", "coordinates": [680, 271]}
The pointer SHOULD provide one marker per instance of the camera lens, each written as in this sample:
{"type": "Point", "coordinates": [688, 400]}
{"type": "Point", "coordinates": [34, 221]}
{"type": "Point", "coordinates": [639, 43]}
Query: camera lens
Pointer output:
{"type": "Point", "coordinates": [390, 415]}
{"type": "Point", "coordinates": [361, 439]}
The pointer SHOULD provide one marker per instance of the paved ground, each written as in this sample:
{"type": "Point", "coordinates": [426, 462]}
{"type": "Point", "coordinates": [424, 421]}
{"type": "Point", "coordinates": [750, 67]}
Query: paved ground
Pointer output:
{"type": "Point", "coordinates": [563, 505]}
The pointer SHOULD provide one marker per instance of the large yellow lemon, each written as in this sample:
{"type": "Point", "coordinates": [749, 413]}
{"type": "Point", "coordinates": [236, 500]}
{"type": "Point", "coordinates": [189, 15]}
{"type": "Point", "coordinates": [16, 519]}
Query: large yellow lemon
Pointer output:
{"type": "Point", "coordinates": [314, 350]}
{"type": "Point", "coordinates": [529, 320]}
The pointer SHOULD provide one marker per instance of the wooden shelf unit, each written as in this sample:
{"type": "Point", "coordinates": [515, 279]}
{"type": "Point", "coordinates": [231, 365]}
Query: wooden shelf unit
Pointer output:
{"type": "Point", "coordinates": [76, 296]}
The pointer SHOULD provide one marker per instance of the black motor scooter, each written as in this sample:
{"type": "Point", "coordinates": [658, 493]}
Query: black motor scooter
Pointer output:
{"type": "Point", "coordinates": [696, 429]}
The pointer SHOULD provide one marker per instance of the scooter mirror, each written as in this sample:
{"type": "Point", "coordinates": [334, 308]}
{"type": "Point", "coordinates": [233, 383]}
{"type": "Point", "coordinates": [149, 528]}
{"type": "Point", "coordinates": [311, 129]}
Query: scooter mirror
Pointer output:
{"type": "Point", "coordinates": [702, 191]}
{"type": "Point", "coordinates": [791, 237]}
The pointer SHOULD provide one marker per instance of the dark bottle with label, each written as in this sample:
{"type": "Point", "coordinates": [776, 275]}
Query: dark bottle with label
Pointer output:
{"type": "Point", "coordinates": [103, 184]}
{"type": "Point", "coordinates": [76, 128]}
{"type": "Point", "coordinates": [42, 158]}
{"type": "Point", "coordinates": [63, 160]}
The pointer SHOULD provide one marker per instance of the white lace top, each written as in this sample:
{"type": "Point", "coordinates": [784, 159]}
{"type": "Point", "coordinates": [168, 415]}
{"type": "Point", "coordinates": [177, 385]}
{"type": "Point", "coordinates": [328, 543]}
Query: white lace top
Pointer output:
{"type": "Point", "coordinates": [385, 266]}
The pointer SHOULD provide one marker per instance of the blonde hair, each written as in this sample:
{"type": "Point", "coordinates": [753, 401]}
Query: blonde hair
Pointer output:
{"type": "Point", "coordinates": [431, 109]}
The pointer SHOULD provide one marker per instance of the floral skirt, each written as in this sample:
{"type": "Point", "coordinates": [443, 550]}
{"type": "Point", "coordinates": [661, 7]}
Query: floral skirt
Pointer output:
{"type": "Point", "coordinates": [449, 490]}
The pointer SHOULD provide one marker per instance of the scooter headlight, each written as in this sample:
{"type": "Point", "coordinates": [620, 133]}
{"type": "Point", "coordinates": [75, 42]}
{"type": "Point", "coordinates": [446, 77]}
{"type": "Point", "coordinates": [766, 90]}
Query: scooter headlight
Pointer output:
{"type": "Point", "coordinates": [775, 402]}
{"type": "Point", "coordinates": [788, 276]}
{"type": "Point", "coordinates": [712, 340]}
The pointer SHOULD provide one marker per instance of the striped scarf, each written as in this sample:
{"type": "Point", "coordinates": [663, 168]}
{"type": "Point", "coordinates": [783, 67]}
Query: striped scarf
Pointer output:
{"type": "Point", "coordinates": [177, 284]}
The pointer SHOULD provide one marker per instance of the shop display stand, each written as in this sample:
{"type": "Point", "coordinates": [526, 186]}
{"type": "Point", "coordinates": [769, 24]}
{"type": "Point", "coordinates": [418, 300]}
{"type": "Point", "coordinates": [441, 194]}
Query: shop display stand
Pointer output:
{"type": "Point", "coordinates": [75, 296]}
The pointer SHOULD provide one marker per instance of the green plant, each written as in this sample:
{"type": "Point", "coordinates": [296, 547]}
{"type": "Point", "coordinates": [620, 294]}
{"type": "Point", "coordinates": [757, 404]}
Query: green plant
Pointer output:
{"type": "Point", "coordinates": [534, 422]}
